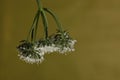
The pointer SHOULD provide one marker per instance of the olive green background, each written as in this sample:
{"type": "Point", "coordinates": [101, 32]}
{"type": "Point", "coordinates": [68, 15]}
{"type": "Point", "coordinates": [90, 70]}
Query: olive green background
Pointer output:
{"type": "Point", "coordinates": [95, 24]}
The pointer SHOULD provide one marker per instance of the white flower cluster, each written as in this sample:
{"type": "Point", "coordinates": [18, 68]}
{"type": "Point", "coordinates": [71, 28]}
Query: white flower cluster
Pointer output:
{"type": "Point", "coordinates": [31, 60]}
{"type": "Point", "coordinates": [63, 42]}
{"type": "Point", "coordinates": [29, 54]}
{"type": "Point", "coordinates": [34, 52]}
{"type": "Point", "coordinates": [69, 48]}
{"type": "Point", "coordinates": [45, 49]}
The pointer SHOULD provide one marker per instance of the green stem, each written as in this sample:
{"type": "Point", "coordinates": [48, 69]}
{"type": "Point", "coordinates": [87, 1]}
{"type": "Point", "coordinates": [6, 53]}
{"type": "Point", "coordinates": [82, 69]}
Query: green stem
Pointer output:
{"type": "Point", "coordinates": [33, 31]}
{"type": "Point", "coordinates": [32, 27]}
{"type": "Point", "coordinates": [55, 18]}
{"type": "Point", "coordinates": [44, 18]}
{"type": "Point", "coordinates": [45, 23]}
{"type": "Point", "coordinates": [39, 4]}
{"type": "Point", "coordinates": [36, 25]}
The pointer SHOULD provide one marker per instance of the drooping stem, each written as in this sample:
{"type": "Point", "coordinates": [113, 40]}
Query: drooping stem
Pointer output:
{"type": "Point", "coordinates": [32, 28]}
{"type": "Point", "coordinates": [39, 4]}
{"type": "Point", "coordinates": [44, 18]}
{"type": "Point", "coordinates": [41, 11]}
{"type": "Point", "coordinates": [55, 18]}
{"type": "Point", "coordinates": [36, 25]}
{"type": "Point", "coordinates": [45, 23]}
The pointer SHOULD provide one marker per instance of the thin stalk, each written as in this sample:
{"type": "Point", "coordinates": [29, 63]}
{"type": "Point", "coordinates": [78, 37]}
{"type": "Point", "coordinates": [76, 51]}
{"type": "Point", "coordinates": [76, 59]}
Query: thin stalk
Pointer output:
{"type": "Point", "coordinates": [45, 23]}
{"type": "Point", "coordinates": [39, 4]}
{"type": "Point", "coordinates": [55, 18]}
{"type": "Point", "coordinates": [36, 25]}
{"type": "Point", "coordinates": [32, 27]}
{"type": "Point", "coordinates": [44, 18]}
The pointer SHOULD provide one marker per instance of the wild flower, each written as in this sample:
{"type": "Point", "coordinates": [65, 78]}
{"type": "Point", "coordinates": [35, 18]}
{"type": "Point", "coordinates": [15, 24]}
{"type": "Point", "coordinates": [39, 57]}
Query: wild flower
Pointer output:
{"type": "Point", "coordinates": [32, 50]}
{"type": "Point", "coordinates": [63, 42]}
{"type": "Point", "coordinates": [29, 54]}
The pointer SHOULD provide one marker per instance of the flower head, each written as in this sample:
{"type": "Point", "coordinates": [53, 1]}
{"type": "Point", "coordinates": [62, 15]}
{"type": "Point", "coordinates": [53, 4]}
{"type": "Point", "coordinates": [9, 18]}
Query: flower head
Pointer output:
{"type": "Point", "coordinates": [63, 42]}
{"type": "Point", "coordinates": [29, 54]}
{"type": "Point", "coordinates": [46, 46]}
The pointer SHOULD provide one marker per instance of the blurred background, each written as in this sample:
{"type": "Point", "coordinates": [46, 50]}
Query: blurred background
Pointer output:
{"type": "Point", "coordinates": [95, 24]}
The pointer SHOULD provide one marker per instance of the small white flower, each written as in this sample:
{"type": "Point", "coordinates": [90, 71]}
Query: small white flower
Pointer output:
{"type": "Point", "coordinates": [39, 51]}
{"type": "Point", "coordinates": [29, 53]}
{"type": "Point", "coordinates": [28, 59]}
{"type": "Point", "coordinates": [69, 48]}
{"type": "Point", "coordinates": [46, 49]}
